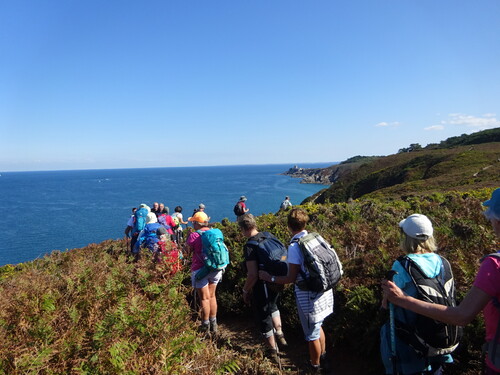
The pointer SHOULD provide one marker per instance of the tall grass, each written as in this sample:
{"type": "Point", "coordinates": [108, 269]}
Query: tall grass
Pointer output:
{"type": "Point", "coordinates": [93, 311]}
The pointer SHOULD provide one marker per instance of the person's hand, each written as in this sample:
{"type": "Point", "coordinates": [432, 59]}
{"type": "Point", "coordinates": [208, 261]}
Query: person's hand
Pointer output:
{"type": "Point", "coordinates": [391, 293]}
{"type": "Point", "coordinates": [263, 275]}
{"type": "Point", "coordinates": [384, 302]}
{"type": "Point", "coordinates": [247, 297]}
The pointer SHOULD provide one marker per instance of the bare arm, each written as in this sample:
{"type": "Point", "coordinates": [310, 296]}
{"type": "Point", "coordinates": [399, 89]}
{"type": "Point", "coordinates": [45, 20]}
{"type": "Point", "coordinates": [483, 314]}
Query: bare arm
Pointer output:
{"type": "Point", "coordinates": [293, 271]}
{"type": "Point", "coordinates": [252, 275]}
{"type": "Point", "coordinates": [473, 303]}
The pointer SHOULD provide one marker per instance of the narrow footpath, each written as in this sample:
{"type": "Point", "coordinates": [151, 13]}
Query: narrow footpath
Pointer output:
{"type": "Point", "coordinates": [240, 335]}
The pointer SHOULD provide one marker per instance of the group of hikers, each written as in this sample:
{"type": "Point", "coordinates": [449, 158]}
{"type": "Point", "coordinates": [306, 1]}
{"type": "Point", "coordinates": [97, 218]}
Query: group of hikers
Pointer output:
{"type": "Point", "coordinates": [424, 321]}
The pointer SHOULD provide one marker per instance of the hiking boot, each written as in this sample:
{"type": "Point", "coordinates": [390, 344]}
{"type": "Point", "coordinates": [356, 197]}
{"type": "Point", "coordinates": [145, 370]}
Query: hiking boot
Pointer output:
{"type": "Point", "coordinates": [311, 369]}
{"type": "Point", "coordinates": [324, 362]}
{"type": "Point", "coordinates": [272, 354]}
{"type": "Point", "coordinates": [213, 327]}
{"type": "Point", "coordinates": [204, 328]}
{"type": "Point", "coordinates": [281, 340]}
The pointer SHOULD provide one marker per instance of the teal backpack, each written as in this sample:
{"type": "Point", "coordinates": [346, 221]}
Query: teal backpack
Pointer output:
{"type": "Point", "coordinates": [215, 252]}
{"type": "Point", "coordinates": [140, 219]}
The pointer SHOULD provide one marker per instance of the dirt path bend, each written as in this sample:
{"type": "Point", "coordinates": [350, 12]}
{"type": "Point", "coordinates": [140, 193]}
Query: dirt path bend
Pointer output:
{"type": "Point", "coordinates": [239, 334]}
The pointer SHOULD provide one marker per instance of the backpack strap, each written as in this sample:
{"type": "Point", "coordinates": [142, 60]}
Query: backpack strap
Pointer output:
{"type": "Point", "coordinates": [416, 274]}
{"type": "Point", "coordinates": [302, 273]}
{"type": "Point", "coordinates": [496, 255]}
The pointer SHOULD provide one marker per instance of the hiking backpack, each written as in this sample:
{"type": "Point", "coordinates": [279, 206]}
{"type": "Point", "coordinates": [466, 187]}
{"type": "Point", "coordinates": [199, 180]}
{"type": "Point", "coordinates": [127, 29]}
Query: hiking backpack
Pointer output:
{"type": "Point", "coordinates": [321, 262]}
{"type": "Point", "coordinates": [271, 254]}
{"type": "Point", "coordinates": [492, 347]}
{"type": "Point", "coordinates": [427, 336]}
{"type": "Point", "coordinates": [162, 219]}
{"type": "Point", "coordinates": [140, 219]}
{"type": "Point", "coordinates": [285, 205]}
{"type": "Point", "coordinates": [176, 220]}
{"type": "Point", "coordinates": [149, 237]}
{"type": "Point", "coordinates": [238, 209]}
{"type": "Point", "coordinates": [215, 252]}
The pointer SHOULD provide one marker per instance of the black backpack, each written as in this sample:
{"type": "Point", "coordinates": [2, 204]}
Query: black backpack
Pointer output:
{"type": "Point", "coordinates": [271, 254]}
{"type": "Point", "coordinates": [429, 337]}
{"type": "Point", "coordinates": [238, 209]}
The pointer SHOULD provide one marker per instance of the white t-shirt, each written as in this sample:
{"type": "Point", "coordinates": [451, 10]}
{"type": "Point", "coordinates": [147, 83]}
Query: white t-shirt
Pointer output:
{"type": "Point", "coordinates": [130, 222]}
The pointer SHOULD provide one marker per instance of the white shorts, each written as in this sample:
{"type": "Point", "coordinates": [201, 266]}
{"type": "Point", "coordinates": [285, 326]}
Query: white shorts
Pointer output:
{"type": "Point", "coordinates": [212, 278]}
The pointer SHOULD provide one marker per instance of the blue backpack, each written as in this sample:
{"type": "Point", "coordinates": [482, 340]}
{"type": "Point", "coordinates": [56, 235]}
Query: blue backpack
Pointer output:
{"type": "Point", "coordinates": [148, 237]}
{"type": "Point", "coordinates": [140, 219]}
{"type": "Point", "coordinates": [215, 252]}
{"type": "Point", "coordinates": [271, 254]}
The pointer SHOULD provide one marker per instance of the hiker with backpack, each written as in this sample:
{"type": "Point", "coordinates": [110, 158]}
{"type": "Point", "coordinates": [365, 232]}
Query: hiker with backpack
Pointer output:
{"type": "Point", "coordinates": [240, 208]}
{"type": "Point", "coordinates": [315, 269]}
{"type": "Point", "coordinates": [130, 224]}
{"type": "Point", "coordinates": [139, 223]}
{"type": "Point", "coordinates": [483, 296]}
{"type": "Point", "coordinates": [167, 252]}
{"type": "Point", "coordinates": [286, 204]}
{"type": "Point", "coordinates": [410, 344]}
{"type": "Point", "coordinates": [148, 236]}
{"type": "Point", "coordinates": [210, 257]}
{"type": "Point", "coordinates": [264, 251]}
{"type": "Point", "coordinates": [200, 208]}
{"type": "Point", "coordinates": [166, 220]}
{"type": "Point", "coordinates": [178, 221]}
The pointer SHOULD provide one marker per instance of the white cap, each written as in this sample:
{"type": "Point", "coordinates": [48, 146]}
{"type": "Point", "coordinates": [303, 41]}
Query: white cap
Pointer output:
{"type": "Point", "coordinates": [151, 218]}
{"type": "Point", "coordinates": [417, 226]}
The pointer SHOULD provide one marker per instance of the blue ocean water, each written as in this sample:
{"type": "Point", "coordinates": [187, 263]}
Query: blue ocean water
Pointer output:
{"type": "Point", "coordinates": [60, 210]}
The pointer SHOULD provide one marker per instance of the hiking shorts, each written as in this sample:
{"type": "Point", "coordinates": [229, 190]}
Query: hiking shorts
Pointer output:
{"type": "Point", "coordinates": [212, 278]}
{"type": "Point", "coordinates": [312, 331]}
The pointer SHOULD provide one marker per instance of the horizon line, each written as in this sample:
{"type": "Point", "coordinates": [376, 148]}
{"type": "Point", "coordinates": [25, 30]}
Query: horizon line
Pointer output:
{"type": "Point", "coordinates": [187, 166]}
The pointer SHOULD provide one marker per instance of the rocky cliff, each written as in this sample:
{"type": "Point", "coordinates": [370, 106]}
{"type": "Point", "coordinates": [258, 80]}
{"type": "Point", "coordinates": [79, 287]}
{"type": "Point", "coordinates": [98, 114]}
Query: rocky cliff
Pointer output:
{"type": "Point", "coordinates": [324, 176]}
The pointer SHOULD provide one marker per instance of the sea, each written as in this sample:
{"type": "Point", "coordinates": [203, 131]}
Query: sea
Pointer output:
{"type": "Point", "coordinates": [44, 211]}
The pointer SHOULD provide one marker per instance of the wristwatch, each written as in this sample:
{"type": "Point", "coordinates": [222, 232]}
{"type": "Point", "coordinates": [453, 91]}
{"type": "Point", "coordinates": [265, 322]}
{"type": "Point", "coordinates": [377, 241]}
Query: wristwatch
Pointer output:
{"type": "Point", "coordinates": [273, 279]}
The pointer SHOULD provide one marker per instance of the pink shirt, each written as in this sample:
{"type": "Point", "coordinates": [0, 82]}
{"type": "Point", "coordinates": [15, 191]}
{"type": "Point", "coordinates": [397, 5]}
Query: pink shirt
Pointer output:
{"type": "Point", "coordinates": [488, 280]}
{"type": "Point", "coordinates": [194, 242]}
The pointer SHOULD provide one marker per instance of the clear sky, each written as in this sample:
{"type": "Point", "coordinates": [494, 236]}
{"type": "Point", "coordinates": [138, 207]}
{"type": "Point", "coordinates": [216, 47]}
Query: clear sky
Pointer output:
{"type": "Point", "coordinates": [88, 84]}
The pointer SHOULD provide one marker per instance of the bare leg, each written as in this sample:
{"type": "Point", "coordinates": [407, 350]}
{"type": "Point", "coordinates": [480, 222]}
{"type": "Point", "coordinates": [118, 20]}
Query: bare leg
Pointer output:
{"type": "Point", "coordinates": [317, 347]}
{"type": "Point", "coordinates": [204, 294]}
{"type": "Point", "coordinates": [277, 323]}
{"type": "Point", "coordinates": [213, 301]}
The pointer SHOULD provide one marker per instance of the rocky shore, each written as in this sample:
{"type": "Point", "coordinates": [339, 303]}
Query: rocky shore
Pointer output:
{"type": "Point", "coordinates": [324, 176]}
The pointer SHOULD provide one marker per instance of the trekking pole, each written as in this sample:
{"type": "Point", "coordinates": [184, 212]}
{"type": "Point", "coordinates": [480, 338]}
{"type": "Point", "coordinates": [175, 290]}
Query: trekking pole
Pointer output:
{"type": "Point", "coordinates": [390, 274]}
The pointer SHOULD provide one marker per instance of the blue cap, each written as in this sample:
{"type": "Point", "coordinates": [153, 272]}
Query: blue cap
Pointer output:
{"type": "Point", "coordinates": [494, 202]}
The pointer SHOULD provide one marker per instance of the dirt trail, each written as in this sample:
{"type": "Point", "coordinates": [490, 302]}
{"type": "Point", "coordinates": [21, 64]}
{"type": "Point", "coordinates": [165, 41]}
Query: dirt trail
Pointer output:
{"type": "Point", "coordinates": [240, 334]}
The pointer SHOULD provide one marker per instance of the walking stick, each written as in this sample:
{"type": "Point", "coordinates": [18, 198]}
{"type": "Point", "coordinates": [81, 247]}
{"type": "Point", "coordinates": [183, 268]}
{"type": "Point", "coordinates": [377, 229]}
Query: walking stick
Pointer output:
{"type": "Point", "coordinates": [390, 274]}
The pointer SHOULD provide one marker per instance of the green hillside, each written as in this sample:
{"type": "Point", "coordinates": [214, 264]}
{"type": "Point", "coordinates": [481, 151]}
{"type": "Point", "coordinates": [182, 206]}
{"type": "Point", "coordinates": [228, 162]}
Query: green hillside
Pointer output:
{"type": "Point", "coordinates": [94, 311]}
{"type": "Point", "coordinates": [459, 163]}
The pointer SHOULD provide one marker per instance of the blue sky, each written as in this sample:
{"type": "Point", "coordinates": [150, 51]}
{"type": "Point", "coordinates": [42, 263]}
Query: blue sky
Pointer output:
{"type": "Point", "coordinates": [123, 84]}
